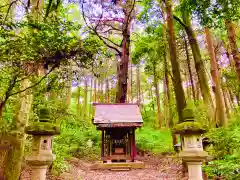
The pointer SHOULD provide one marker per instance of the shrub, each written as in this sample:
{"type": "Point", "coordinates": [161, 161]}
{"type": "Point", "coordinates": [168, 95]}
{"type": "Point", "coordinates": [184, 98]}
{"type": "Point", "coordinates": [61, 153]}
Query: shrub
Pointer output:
{"type": "Point", "coordinates": [225, 149]}
{"type": "Point", "coordinates": [72, 142]}
{"type": "Point", "coordinates": [154, 140]}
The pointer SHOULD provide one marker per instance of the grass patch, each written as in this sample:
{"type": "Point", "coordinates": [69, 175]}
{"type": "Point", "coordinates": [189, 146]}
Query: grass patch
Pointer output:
{"type": "Point", "coordinates": [154, 140]}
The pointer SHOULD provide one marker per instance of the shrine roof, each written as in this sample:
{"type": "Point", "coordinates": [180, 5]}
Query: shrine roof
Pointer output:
{"type": "Point", "coordinates": [127, 114]}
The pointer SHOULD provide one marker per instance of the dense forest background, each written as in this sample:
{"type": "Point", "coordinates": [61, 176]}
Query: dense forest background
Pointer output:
{"type": "Point", "coordinates": [165, 55]}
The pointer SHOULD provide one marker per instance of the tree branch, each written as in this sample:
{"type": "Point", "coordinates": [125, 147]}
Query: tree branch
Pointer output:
{"type": "Point", "coordinates": [32, 86]}
{"type": "Point", "coordinates": [11, 85]}
{"type": "Point", "coordinates": [112, 27]}
{"type": "Point", "coordinates": [129, 15]}
{"type": "Point", "coordinates": [94, 29]}
{"type": "Point", "coordinates": [115, 44]}
{"type": "Point", "coordinates": [10, 5]}
{"type": "Point", "coordinates": [180, 21]}
{"type": "Point", "coordinates": [108, 30]}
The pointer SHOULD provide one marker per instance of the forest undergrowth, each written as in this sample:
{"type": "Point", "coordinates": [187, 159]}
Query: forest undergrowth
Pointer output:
{"type": "Point", "coordinates": [224, 147]}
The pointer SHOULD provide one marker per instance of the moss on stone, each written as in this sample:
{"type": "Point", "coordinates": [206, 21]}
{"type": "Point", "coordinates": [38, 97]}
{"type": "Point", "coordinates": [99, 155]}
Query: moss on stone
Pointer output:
{"type": "Point", "coordinates": [40, 159]}
{"type": "Point", "coordinates": [14, 159]}
{"type": "Point", "coordinates": [189, 127]}
{"type": "Point", "coordinates": [44, 115]}
{"type": "Point", "coordinates": [188, 115]}
{"type": "Point", "coordinates": [43, 128]}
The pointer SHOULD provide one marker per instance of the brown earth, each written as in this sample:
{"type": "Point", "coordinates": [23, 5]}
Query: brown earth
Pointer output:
{"type": "Point", "coordinates": [156, 168]}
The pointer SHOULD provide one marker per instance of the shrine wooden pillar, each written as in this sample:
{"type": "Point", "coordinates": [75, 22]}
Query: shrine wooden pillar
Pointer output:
{"type": "Point", "coordinates": [102, 149]}
{"type": "Point", "coordinates": [133, 146]}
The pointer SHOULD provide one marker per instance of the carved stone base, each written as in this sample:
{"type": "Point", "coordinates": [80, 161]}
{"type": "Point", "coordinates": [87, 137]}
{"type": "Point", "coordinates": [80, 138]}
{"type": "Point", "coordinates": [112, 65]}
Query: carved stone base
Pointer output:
{"type": "Point", "coordinates": [195, 171]}
{"type": "Point", "coordinates": [39, 172]}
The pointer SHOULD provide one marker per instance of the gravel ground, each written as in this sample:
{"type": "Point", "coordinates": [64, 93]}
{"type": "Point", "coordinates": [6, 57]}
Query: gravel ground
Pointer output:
{"type": "Point", "coordinates": [155, 169]}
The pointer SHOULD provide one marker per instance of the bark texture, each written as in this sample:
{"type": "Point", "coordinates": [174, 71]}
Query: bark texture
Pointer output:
{"type": "Point", "coordinates": [233, 45]}
{"type": "Point", "coordinates": [177, 82]}
{"type": "Point", "coordinates": [158, 123]}
{"type": "Point", "coordinates": [15, 157]}
{"type": "Point", "coordinates": [216, 80]}
{"type": "Point", "coordinates": [128, 10]}
{"type": "Point", "coordinates": [199, 65]}
{"type": "Point", "coordinates": [189, 69]}
{"type": "Point", "coordinates": [78, 112]}
{"type": "Point", "coordinates": [85, 100]}
{"type": "Point", "coordinates": [138, 85]}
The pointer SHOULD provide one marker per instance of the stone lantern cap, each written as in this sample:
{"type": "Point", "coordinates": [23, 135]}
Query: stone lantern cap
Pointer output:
{"type": "Point", "coordinates": [189, 126]}
{"type": "Point", "coordinates": [44, 126]}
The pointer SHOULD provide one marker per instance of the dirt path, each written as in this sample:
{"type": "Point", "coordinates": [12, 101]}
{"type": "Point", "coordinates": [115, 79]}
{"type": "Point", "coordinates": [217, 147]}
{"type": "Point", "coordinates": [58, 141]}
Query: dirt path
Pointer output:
{"type": "Point", "coordinates": [155, 169]}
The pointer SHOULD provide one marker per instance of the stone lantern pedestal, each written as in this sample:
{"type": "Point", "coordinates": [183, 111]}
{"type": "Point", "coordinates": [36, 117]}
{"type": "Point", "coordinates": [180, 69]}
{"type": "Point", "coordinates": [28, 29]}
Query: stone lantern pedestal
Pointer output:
{"type": "Point", "coordinates": [41, 156]}
{"type": "Point", "coordinates": [192, 149]}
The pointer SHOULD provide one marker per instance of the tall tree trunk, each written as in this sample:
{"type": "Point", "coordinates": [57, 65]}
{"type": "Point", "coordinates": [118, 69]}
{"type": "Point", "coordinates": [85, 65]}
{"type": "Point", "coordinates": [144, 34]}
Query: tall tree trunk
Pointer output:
{"type": "Point", "coordinates": [69, 91]}
{"type": "Point", "coordinates": [166, 104]}
{"type": "Point", "coordinates": [130, 84]}
{"type": "Point", "coordinates": [85, 100]}
{"type": "Point", "coordinates": [15, 157]}
{"type": "Point", "coordinates": [12, 168]}
{"type": "Point", "coordinates": [226, 102]}
{"type": "Point", "coordinates": [167, 96]}
{"type": "Point", "coordinates": [123, 72]}
{"type": "Point", "coordinates": [233, 45]}
{"type": "Point", "coordinates": [131, 70]}
{"type": "Point", "coordinates": [189, 69]}
{"type": "Point", "coordinates": [91, 97]}
{"type": "Point", "coordinates": [226, 47]}
{"type": "Point", "coordinates": [158, 123]}
{"type": "Point", "coordinates": [187, 88]}
{"type": "Point", "coordinates": [99, 90]}
{"type": "Point", "coordinates": [138, 85]}
{"type": "Point", "coordinates": [231, 96]}
{"type": "Point", "coordinates": [216, 80]}
{"type": "Point", "coordinates": [69, 95]}
{"type": "Point", "coordinates": [198, 91]}
{"type": "Point", "coordinates": [95, 90]}
{"type": "Point", "coordinates": [199, 66]}
{"type": "Point", "coordinates": [78, 112]}
{"type": "Point", "coordinates": [142, 96]}
{"type": "Point", "coordinates": [177, 81]}
{"type": "Point", "coordinates": [107, 91]}
{"type": "Point", "coordinates": [123, 65]}
{"type": "Point", "coordinates": [151, 97]}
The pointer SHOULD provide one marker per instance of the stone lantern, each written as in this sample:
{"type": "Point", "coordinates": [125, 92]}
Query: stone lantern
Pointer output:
{"type": "Point", "coordinates": [41, 156]}
{"type": "Point", "coordinates": [192, 149]}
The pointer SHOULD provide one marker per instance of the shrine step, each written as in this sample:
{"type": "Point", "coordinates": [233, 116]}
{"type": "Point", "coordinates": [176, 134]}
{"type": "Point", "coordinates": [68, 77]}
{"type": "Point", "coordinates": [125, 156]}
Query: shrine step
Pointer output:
{"type": "Point", "coordinates": [118, 165]}
{"type": "Point", "coordinates": [122, 169]}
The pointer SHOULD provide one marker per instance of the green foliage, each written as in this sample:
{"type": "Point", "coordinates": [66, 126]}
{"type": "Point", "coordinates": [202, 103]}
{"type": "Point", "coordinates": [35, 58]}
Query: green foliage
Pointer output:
{"type": "Point", "coordinates": [199, 111]}
{"type": "Point", "coordinates": [213, 13]}
{"type": "Point", "coordinates": [231, 80]}
{"type": "Point", "coordinates": [227, 168]}
{"type": "Point", "coordinates": [73, 142]}
{"type": "Point", "coordinates": [154, 140]}
{"type": "Point", "coordinates": [225, 149]}
{"type": "Point", "coordinates": [6, 120]}
{"type": "Point", "coordinates": [54, 42]}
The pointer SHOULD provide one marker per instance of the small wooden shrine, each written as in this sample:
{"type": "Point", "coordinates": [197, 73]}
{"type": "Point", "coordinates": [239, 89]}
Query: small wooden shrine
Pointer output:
{"type": "Point", "coordinates": [118, 123]}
